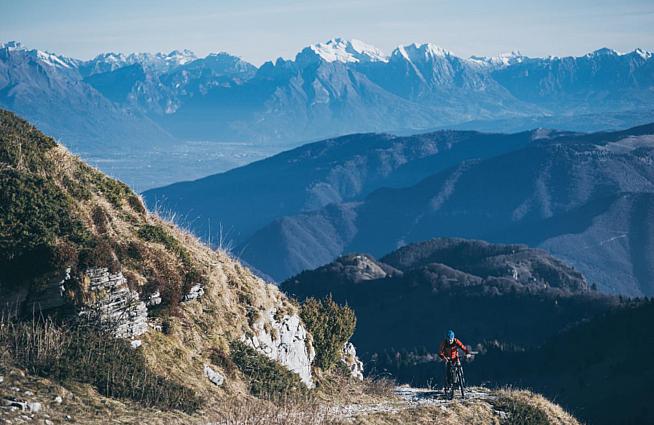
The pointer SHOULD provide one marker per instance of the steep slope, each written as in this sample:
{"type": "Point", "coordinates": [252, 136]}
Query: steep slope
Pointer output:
{"type": "Point", "coordinates": [559, 193]}
{"type": "Point", "coordinates": [314, 175]}
{"type": "Point", "coordinates": [83, 262]}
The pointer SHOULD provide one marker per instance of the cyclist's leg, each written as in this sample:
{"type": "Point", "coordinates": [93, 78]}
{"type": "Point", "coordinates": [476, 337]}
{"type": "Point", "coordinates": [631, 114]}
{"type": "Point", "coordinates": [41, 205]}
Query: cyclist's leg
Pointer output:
{"type": "Point", "coordinates": [448, 375]}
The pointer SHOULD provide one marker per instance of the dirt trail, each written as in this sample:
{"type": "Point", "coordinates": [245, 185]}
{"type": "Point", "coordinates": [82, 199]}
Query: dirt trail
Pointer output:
{"type": "Point", "coordinates": [409, 397]}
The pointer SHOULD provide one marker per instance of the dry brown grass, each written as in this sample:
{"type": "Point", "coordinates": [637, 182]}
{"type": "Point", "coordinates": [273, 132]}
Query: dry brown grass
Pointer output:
{"type": "Point", "coordinates": [233, 295]}
{"type": "Point", "coordinates": [468, 413]}
{"type": "Point", "coordinates": [239, 411]}
{"type": "Point", "coordinates": [336, 387]}
{"type": "Point", "coordinates": [522, 404]}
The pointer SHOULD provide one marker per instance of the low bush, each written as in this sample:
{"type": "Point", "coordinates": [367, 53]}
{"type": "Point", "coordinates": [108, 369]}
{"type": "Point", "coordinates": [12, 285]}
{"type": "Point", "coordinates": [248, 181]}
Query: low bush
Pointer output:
{"type": "Point", "coordinates": [223, 361]}
{"type": "Point", "coordinates": [100, 219]}
{"type": "Point", "coordinates": [266, 378]}
{"type": "Point", "coordinates": [77, 354]}
{"type": "Point", "coordinates": [331, 326]}
{"type": "Point", "coordinates": [98, 253]}
{"type": "Point", "coordinates": [172, 284]}
{"type": "Point", "coordinates": [520, 412]}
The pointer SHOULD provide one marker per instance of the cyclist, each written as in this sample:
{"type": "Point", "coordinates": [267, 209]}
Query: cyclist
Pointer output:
{"type": "Point", "coordinates": [449, 352]}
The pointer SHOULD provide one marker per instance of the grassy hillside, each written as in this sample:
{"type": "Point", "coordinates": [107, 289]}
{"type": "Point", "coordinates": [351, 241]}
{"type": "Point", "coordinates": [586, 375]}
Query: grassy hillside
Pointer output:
{"type": "Point", "coordinates": [56, 215]}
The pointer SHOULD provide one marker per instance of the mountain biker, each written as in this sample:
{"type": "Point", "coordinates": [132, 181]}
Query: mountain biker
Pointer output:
{"type": "Point", "coordinates": [449, 352]}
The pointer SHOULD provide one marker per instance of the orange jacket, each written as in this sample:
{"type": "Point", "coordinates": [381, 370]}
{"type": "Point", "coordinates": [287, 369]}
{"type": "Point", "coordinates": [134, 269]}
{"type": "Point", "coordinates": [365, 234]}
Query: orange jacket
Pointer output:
{"type": "Point", "coordinates": [451, 351]}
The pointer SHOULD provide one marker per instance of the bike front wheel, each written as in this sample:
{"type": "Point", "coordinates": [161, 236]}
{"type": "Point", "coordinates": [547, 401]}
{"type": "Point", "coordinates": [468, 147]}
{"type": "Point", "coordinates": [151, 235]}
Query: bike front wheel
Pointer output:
{"type": "Point", "coordinates": [462, 383]}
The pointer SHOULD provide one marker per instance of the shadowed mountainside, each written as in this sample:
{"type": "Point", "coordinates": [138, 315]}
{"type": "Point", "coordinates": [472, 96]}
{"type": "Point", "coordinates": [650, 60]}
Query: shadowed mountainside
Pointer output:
{"type": "Point", "coordinates": [404, 301]}
{"type": "Point", "coordinates": [585, 198]}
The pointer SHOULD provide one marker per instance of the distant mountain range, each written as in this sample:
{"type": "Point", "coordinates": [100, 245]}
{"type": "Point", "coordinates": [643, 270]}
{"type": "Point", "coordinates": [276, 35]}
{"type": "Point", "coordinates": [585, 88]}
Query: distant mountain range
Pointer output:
{"type": "Point", "coordinates": [328, 89]}
{"type": "Point", "coordinates": [587, 198]}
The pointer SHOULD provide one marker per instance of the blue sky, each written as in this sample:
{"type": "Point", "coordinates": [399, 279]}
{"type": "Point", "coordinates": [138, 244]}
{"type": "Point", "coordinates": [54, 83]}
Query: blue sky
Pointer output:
{"type": "Point", "coordinates": [260, 30]}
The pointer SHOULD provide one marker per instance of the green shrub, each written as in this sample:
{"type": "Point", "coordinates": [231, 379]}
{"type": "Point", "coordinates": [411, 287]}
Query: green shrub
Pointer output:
{"type": "Point", "coordinates": [35, 216]}
{"type": "Point", "coordinates": [266, 378]}
{"type": "Point", "coordinates": [331, 326]}
{"type": "Point", "coordinates": [75, 354]}
{"type": "Point", "coordinates": [223, 361]}
{"type": "Point", "coordinates": [22, 145]}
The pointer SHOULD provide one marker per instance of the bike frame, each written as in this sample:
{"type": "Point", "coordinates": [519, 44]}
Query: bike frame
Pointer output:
{"type": "Point", "coordinates": [455, 378]}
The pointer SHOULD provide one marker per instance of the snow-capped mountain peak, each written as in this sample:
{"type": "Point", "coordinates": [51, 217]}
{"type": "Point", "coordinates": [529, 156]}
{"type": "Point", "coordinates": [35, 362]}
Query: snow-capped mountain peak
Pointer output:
{"type": "Point", "coordinates": [158, 62]}
{"type": "Point", "coordinates": [53, 60]}
{"type": "Point", "coordinates": [344, 51]}
{"type": "Point", "coordinates": [643, 53]}
{"type": "Point", "coordinates": [12, 45]}
{"type": "Point", "coordinates": [604, 51]}
{"type": "Point", "coordinates": [501, 60]}
{"type": "Point", "coordinates": [179, 57]}
{"type": "Point", "coordinates": [42, 57]}
{"type": "Point", "coordinates": [421, 52]}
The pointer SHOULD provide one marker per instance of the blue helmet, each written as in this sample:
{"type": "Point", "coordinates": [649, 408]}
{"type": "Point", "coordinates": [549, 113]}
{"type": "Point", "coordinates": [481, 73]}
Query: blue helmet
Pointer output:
{"type": "Point", "coordinates": [450, 335]}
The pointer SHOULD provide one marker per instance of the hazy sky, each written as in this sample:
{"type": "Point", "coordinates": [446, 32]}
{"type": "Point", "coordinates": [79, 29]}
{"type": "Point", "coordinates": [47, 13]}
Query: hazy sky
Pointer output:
{"type": "Point", "coordinates": [260, 30]}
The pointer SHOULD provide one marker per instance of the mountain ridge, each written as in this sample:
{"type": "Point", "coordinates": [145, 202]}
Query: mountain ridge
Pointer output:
{"type": "Point", "coordinates": [555, 193]}
{"type": "Point", "coordinates": [428, 86]}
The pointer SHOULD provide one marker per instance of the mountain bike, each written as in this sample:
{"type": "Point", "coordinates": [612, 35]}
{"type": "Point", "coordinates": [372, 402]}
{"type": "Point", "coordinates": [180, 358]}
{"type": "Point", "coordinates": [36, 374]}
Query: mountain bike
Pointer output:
{"type": "Point", "coordinates": [455, 379]}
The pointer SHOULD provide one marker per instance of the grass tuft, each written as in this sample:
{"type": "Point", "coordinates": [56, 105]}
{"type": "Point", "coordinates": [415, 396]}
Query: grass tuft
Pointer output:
{"type": "Point", "coordinates": [82, 355]}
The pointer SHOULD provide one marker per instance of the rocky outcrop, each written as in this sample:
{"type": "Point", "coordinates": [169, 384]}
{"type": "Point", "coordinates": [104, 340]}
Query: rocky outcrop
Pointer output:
{"type": "Point", "coordinates": [113, 305]}
{"type": "Point", "coordinates": [153, 299]}
{"type": "Point", "coordinates": [352, 361]}
{"type": "Point", "coordinates": [196, 291]}
{"type": "Point", "coordinates": [283, 338]}
{"type": "Point", "coordinates": [215, 377]}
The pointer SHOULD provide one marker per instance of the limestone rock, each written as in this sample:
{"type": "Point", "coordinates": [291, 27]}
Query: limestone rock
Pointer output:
{"type": "Point", "coordinates": [352, 361]}
{"type": "Point", "coordinates": [34, 406]}
{"type": "Point", "coordinates": [196, 291]}
{"type": "Point", "coordinates": [215, 377]}
{"type": "Point", "coordinates": [25, 406]}
{"type": "Point", "coordinates": [285, 340]}
{"type": "Point", "coordinates": [116, 307]}
{"type": "Point", "coordinates": [153, 299]}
